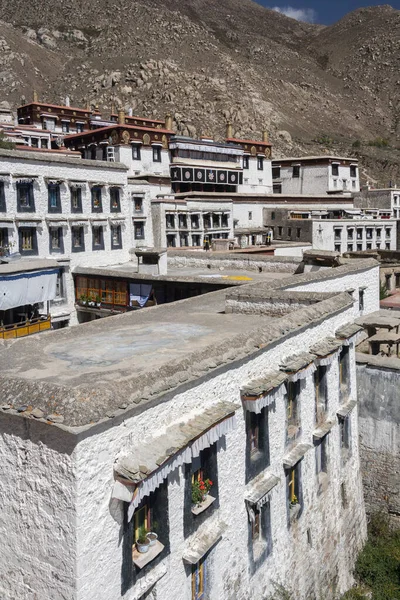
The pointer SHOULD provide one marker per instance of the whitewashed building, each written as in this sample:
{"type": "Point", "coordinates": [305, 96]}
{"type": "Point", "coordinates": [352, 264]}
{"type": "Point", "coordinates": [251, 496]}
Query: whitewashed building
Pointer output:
{"type": "Point", "coordinates": [349, 235]}
{"type": "Point", "coordinates": [127, 416]}
{"type": "Point", "coordinates": [315, 175]}
{"type": "Point", "coordinates": [379, 203]}
{"type": "Point", "coordinates": [68, 209]}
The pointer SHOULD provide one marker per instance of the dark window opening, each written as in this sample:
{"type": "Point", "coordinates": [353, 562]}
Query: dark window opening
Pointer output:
{"type": "Point", "coordinates": [98, 238]}
{"type": "Point", "coordinates": [54, 198]}
{"type": "Point", "coordinates": [97, 204]}
{"type": "Point", "coordinates": [25, 197]}
{"type": "Point", "coordinates": [136, 154]}
{"type": "Point", "coordinates": [296, 171]}
{"type": "Point", "coordinates": [115, 200]}
{"type": "Point", "coordinates": [156, 154]}
{"type": "Point", "coordinates": [139, 230]}
{"type": "Point", "coordinates": [78, 239]}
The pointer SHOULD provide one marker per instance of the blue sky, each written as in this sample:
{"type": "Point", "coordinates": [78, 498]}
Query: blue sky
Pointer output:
{"type": "Point", "coordinates": [321, 11]}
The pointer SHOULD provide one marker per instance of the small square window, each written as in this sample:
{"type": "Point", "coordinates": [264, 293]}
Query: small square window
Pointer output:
{"type": "Point", "coordinates": [156, 154]}
{"type": "Point", "coordinates": [138, 204]}
{"type": "Point", "coordinates": [260, 163]}
{"type": "Point", "coordinates": [78, 239]}
{"type": "Point", "coordinates": [250, 216]}
{"type": "Point", "coordinates": [115, 201]}
{"type": "Point", "coordinates": [136, 154]}
{"type": "Point", "coordinates": [116, 237]}
{"type": "Point", "coordinates": [353, 171]}
{"type": "Point", "coordinates": [79, 127]}
{"type": "Point", "coordinates": [76, 199]}
{"type": "Point", "coordinates": [277, 188]}
{"type": "Point", "coordinates": [97, 199]}
{"type": "Point", "coordinates": [54, 196]}
{"type": "Point", "coordinates": [296, 171]}
{"type": "Point", "coordinates": [335, 170]}
{"type": "Point", "coordinates": [25, 197]}
{"type": "Point", "coordinates": [139, 230]}
{"type": "Point", "coordinates": [28, 241]}
{"type": "Point", "coordinates": [276, 172]}
{"type": "Point", "coordinates": [65, 127]}
{"type": "Point", "coordinates": [98, 238]}
{"type": "Point", "coordinates": [56, 239]}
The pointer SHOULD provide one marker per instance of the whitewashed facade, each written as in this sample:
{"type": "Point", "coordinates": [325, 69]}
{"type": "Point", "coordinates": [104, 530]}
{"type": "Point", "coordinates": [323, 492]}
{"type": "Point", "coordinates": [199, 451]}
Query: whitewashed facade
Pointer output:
{"type": "Point", "coordinates": [72, 538]}
{"type": "Point", "coordinates": [68, 209]}
{"type": "Point", "coordinates": [315, 175]}
{"type": "Point", "coordinates": [350, 235]}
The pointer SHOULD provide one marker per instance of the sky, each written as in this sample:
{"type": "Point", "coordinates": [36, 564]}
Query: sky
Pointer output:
{"type": "Point", "coordinates": [325, 12]}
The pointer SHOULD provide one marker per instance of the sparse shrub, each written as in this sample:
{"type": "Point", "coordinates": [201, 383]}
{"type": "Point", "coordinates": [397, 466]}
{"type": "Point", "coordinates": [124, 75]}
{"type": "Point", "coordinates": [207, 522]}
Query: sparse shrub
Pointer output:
{"type": "Point", "coordinates": [356, 144]}
{"type": "Point", "coordinates": [324, 140]}
{"type": "Point", "coordinates": [5, 143]}
{"type": "Point", "coordinates": [379, 142]}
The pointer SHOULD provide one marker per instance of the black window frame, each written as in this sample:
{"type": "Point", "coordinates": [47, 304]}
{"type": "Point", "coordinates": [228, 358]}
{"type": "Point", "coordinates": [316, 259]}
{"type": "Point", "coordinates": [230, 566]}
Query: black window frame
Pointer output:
{"type": "Point", "coordinates": [321, 391]}
{"type": "Point", "coordinates": [296, 171]}
{"type": "Point", "coordinates": [78, 208]}
{"type": "Point", "coordinates": [298, 492]}
{"type": "Point", "coordinates": [277, 188]}
{"type": "Point", "coordinates": [246, 162]}
{"type": "Point", "coordinates": [208, 459]}
{"type": "Point", "coordinates": [292, 405]}
{"type": "Point", "coordinates": [34, 251]}
{"type": "Point", "coordinates": [135, 227]}
{"type": "Point", "coordinates": [31, 197]}
{"type": "Point", "coordinates": [139, 200]}
{"type": "Point", "coordinates": [136, 152]}
{"type": "Point", "coordinates": [80, 248]}
{"type": "Point", "coordinates": [57, 208]}
{"type": "Point", "coordinates": [65, 127]}
{"type": "Point", "coordinates": [3, 205]}
{"type": "Point", "coordinates": [257, 458]}
{"type": "Point", "coordinates": [276, 172]}
{"type": "Point", "coordinates": [79, 127]}
{"type": "Point", "coordinates": [99, 246]}
{"type": "Point", "coordinates": [157, 157]}
{"type": "Point", "coordinates": [321, 455]}
{"type": "Point", "coordinates": [60, 249]}
{"type": "Point", "coordinates": [159, 507]}
{"type": "Point", "coordinates": [353, 171]}
{"type": "Point", "coordinates": [99, 208]}
{"type": "Point", "coordinates": [115, 190]}
{"type": "Point", "coordinates": [335, 170]}
{"type": "Point", "coordinates": [4, 240]}
{"type": "Point", "coordinates": [260, 163]}
{"type": "Point", "coordinates": [113, 245]}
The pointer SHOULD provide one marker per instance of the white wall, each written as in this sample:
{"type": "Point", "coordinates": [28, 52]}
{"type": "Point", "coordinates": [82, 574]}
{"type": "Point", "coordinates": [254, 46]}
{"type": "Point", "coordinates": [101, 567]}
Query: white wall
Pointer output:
{"type": "Point", "coordinates": [324, 237]}
{"type": "Point", "coordinates": [316, 179]}
{"type": "Point", "coordinates": [334, 531]}
{"type": "Point", "coordinates": [255, 181]}
{"type": "Point", "coordinates": [146, 164]}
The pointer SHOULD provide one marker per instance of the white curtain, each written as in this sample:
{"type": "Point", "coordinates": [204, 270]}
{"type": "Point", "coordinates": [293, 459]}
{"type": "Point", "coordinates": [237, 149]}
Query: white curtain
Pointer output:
{"type": "Point", "coordinates": [327, 360]}
{"type": "Point", "coordinates": [27, 288]}
{"type": "Point", "coordinates": [303, 373]}
{"type": "Point", "coordinates": [186, 455]}
{"type": "Point", "coordinates": [256, 406]}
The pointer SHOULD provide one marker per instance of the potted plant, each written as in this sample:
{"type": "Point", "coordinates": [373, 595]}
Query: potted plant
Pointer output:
{"type": "Point", "coordinates": [91, 301]}
{"type": "Point", "coordinates": [98, 300]}
{"type": "Point", "coordinates": [143, 542]}
{"type": "Point", "coordinates": [200, 489]}
{"type": "Point", "coordinates": [294, 501]}
{"type": "Point", "coordinates": [83, 299]}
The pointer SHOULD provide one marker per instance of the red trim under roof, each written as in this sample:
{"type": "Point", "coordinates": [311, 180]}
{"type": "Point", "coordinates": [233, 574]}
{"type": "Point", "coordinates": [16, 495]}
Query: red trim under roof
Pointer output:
{"type": "Point", "coordinates": [43, 104]}
{"type": "Point", "coordinates": [253, 142]}
{"type": "Point", "coordinates": [117, 126]}
{"type": "Point", "coordinates": [140, 118]}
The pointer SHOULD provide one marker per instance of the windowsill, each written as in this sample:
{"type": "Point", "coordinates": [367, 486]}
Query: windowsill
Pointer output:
{"type": "Point", "coordinates": [259, 547]}
{"type": "Point", "coordinates": [141, 559]}
{"type": "Point", "coordinates": [199, 508]}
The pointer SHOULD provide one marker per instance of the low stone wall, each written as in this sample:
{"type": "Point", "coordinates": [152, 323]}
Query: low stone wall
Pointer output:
{"type": "Point", "coordinates": [274, 304]}
{"type": "Point", "coordinates": [378, 383]}
{"type": "Point", "coordinates": [246, 262]}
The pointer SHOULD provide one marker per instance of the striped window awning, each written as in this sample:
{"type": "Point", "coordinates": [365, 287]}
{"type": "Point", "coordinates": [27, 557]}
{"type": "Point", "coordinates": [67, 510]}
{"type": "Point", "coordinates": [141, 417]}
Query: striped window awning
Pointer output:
{"type": "Point", "coordinates": [260, 393]}
{"type": "Point", "coordinates": [145, 467]}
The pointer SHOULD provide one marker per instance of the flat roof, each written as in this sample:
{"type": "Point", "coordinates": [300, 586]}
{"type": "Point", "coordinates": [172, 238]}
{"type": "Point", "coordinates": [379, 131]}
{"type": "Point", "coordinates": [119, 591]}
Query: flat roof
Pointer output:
{"type": "Point", "coordinates": [318, 157]}
{"type": "Point", "coordinates": [107, 368]}
{"type": "Point", "coordinates": [82, 162]}
{"type": "Point", "coordinates": [27, 264]}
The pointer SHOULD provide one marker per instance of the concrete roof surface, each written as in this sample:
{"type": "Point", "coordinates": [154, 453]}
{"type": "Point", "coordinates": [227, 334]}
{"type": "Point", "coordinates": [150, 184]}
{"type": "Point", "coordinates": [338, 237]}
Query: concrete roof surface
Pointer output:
{"type": "Point", "coordinates": [83, 162]}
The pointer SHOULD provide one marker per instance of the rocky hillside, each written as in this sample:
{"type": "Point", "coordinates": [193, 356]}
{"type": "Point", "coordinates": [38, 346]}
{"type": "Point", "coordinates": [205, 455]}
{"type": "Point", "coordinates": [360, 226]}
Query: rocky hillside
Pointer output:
{"type": "Point", "coordinates": [315, 88]}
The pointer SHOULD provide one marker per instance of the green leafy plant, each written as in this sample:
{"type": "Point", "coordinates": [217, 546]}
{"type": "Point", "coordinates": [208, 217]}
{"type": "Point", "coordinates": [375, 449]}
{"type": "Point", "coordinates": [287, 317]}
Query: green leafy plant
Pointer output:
{"type": "Point", "coordinates": [83, 298]}
{"type": "Point", "coordinates": [142, 538]}
{"type": "Point", "coordinates": [356, 144]}
{"type": "Point", "coordinates": [199, 489]}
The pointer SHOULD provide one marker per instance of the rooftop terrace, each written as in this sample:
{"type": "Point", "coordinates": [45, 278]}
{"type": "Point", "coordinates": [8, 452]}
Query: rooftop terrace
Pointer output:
{"type": "Point", "coordinates": [79, 376]}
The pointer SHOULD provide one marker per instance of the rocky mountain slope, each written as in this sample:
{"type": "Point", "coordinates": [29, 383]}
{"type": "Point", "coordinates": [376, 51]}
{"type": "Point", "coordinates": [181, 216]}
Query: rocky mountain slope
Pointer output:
{"type": "Point", "coordinates": [314, 88]}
